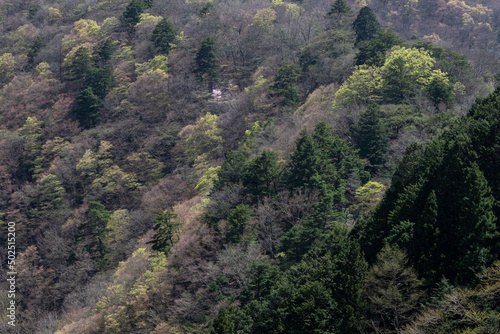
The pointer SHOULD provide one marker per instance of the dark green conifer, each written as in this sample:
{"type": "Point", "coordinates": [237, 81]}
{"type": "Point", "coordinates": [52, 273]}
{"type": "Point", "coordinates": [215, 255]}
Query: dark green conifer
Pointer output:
{"type": "Point", "coordinates": [340, 7]}
{"type": "Point", "coordinates": [439, 92]}
{"type": "Point", "coordinates": [372, 138]}
{"type": "Point", "coordinates": [366, 25]}
{"type": "Point", "coordinates": [80, 64]}
{"type": "Point", "coordinates": [94, 230]}
{"type": "Point", "coordinates": [99, 80]}
{"type": "Point", "coordinates": [261, 175]}
{"type": "Point", "coordinates": [304, 167]}
{"type": "Point", "coordinates": [286, 84]}
{"type": "Point", "coordinates": [321, 294]}
{"type": "Point", "coordinates": [372, 52]}
{"type": "Point", "coordinates": [103, 51]}
{"type": "Point", "coordinates": [208, 65]}
{"type": "Point", "coordinates": [236, 223]}
{"type": "Point", "coordinates": [166, 231]}
{"type": "Point", "coordinates": [133, 11]}
{"type": "Point", "coordinates": [232, 169]}
{"type": "Point", "coordinates": [164, 35]}
{"type": "Point", "coordinates": [231, 320]}
{"type": "Point", "coordinates": [477, 228]}
{"type": "Point", "coordinates": [38, 44]}
{"type": "Point", "coordinates": [393, 290]}
{"type": "Point", "coordinates": [87, 108]}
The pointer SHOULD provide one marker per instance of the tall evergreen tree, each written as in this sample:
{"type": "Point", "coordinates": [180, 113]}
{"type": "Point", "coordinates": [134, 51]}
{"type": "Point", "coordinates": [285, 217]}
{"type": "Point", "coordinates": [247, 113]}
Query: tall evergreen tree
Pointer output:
{"type": "Point", "coordinates": [231, 320]}
{"type": "Point", "coordinates": [99, 80]}
{"type": "Point", "coordinates": [340, 14]}
{"type": "Point", "coordinates": [304, 167]}
{"type": "Point", "coordinates": [477, 231]}
{"type": "Point", "coordinates": [208, 65]}
{"type": "Point", "coordinates": [93, 232]}
{"type": "Point", "coordinates": [372, 137]}
{"type": "Point", "coordinates": [286, 84]}
{"type": "Point", "coordinates": [325, 163]}
{"type": "Point", "coordinates": [103, 51]}
{"type": "Point", "coordinates": [232, 169]}
{"type": "Point", "coordinates": [439, 92]}
{"type": "Point", "coordinates": [366, 25]}
{"type": "Point", "coordinates": [87, 110]}
{"type": "Point", "coordinates": [38, 44]}
{"type": "Point", "coordinates": [236, 223]}
{"type": "Point", "coordinates": [427, 232]}
{"type": "Point", "coordinates": [321, 294]}
{"type": "Point", "coordinates": [166, 231]}
{"type": "Point", "coordinates": [340, 7]}
{"type": "Point", "coordinates": [261, 175]}
{"type": "Point", "coordinates": [133, 11]}
{"type": "Point", "coordinates": [164, 35]}
{"type": "Point", "coordinates": [50, 193]}
{"type": "Point", "coordinates": [393, 290]}
{"type": "Point", "coordinates": [372, 52]}
{"type": "Point", "coordinates": [80, 64]}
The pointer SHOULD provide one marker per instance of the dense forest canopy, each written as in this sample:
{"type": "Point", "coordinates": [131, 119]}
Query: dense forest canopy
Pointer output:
{"type": "Point", "coordinates": [281, 166]}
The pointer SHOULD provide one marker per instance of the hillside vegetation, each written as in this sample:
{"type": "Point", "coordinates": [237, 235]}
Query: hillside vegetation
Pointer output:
{"type": "Point", "coordinates": [193, 166]}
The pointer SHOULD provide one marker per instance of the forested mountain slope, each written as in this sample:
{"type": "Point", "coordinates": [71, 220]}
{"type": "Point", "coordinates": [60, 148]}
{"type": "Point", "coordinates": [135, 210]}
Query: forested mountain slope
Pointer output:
{"type": "Point", "coordinates": [254, 166]}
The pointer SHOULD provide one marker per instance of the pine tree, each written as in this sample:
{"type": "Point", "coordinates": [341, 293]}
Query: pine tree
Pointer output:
{"type": "Point", "coordinates": [99, 80]}
{"type": "Point", "coordinates": [38, 44]}
{"type": "Point", "coordinates": [164, 36]}
{"type": "Point", "coordinates": [94, 231]}
{"type": "Point", "coordinates": [80, 64]}
{"type": "Point", "coordinates": [427, 234]}
{"type": "Point", "coordinates": [232, 169]}
{"type": "Point", "coordinates": [166, 231]}
{"type": "Point", "coordinates": [50, 193]}
{"type": "Point", "coordinates": [261, 175]}
{"type": "Point", "coordinates": [373, 52]}
{"type": "Point", "coordinates": [366, 25]}
{"type": "Point", "coordinates": [208, 65]}
{"type": "Point", "coordinates": [340, 7]}
{"type": "Point", "coordinates": [439, 92]}
{"type": "Point", "coordinates": [341, 15]}
{"type": "Point", "coordinates": [338, 152]}
{"type": "Point", "coordinates": [393, 290]}
{"type": "Point", "coordinates": [133, 11]}
{"type": "Point", "coordinates": [231, 320]}
{"type": "Point", "coordinates": [286, 84]}
{"type": "Point", "coordinates": [103, 51]}
{"type": "Point", "coordinates": [372, 138]}
{"type": "Point", "coordinates": [477, 228]}
{"type": "Point", "coordinates": [236, 223]}
{"type": "Point", "coordinates": [304, 166]}
{"type": "Point", "coordinates": [87, 108]}
{"type": "Point", "coordinates": [321, 294]}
